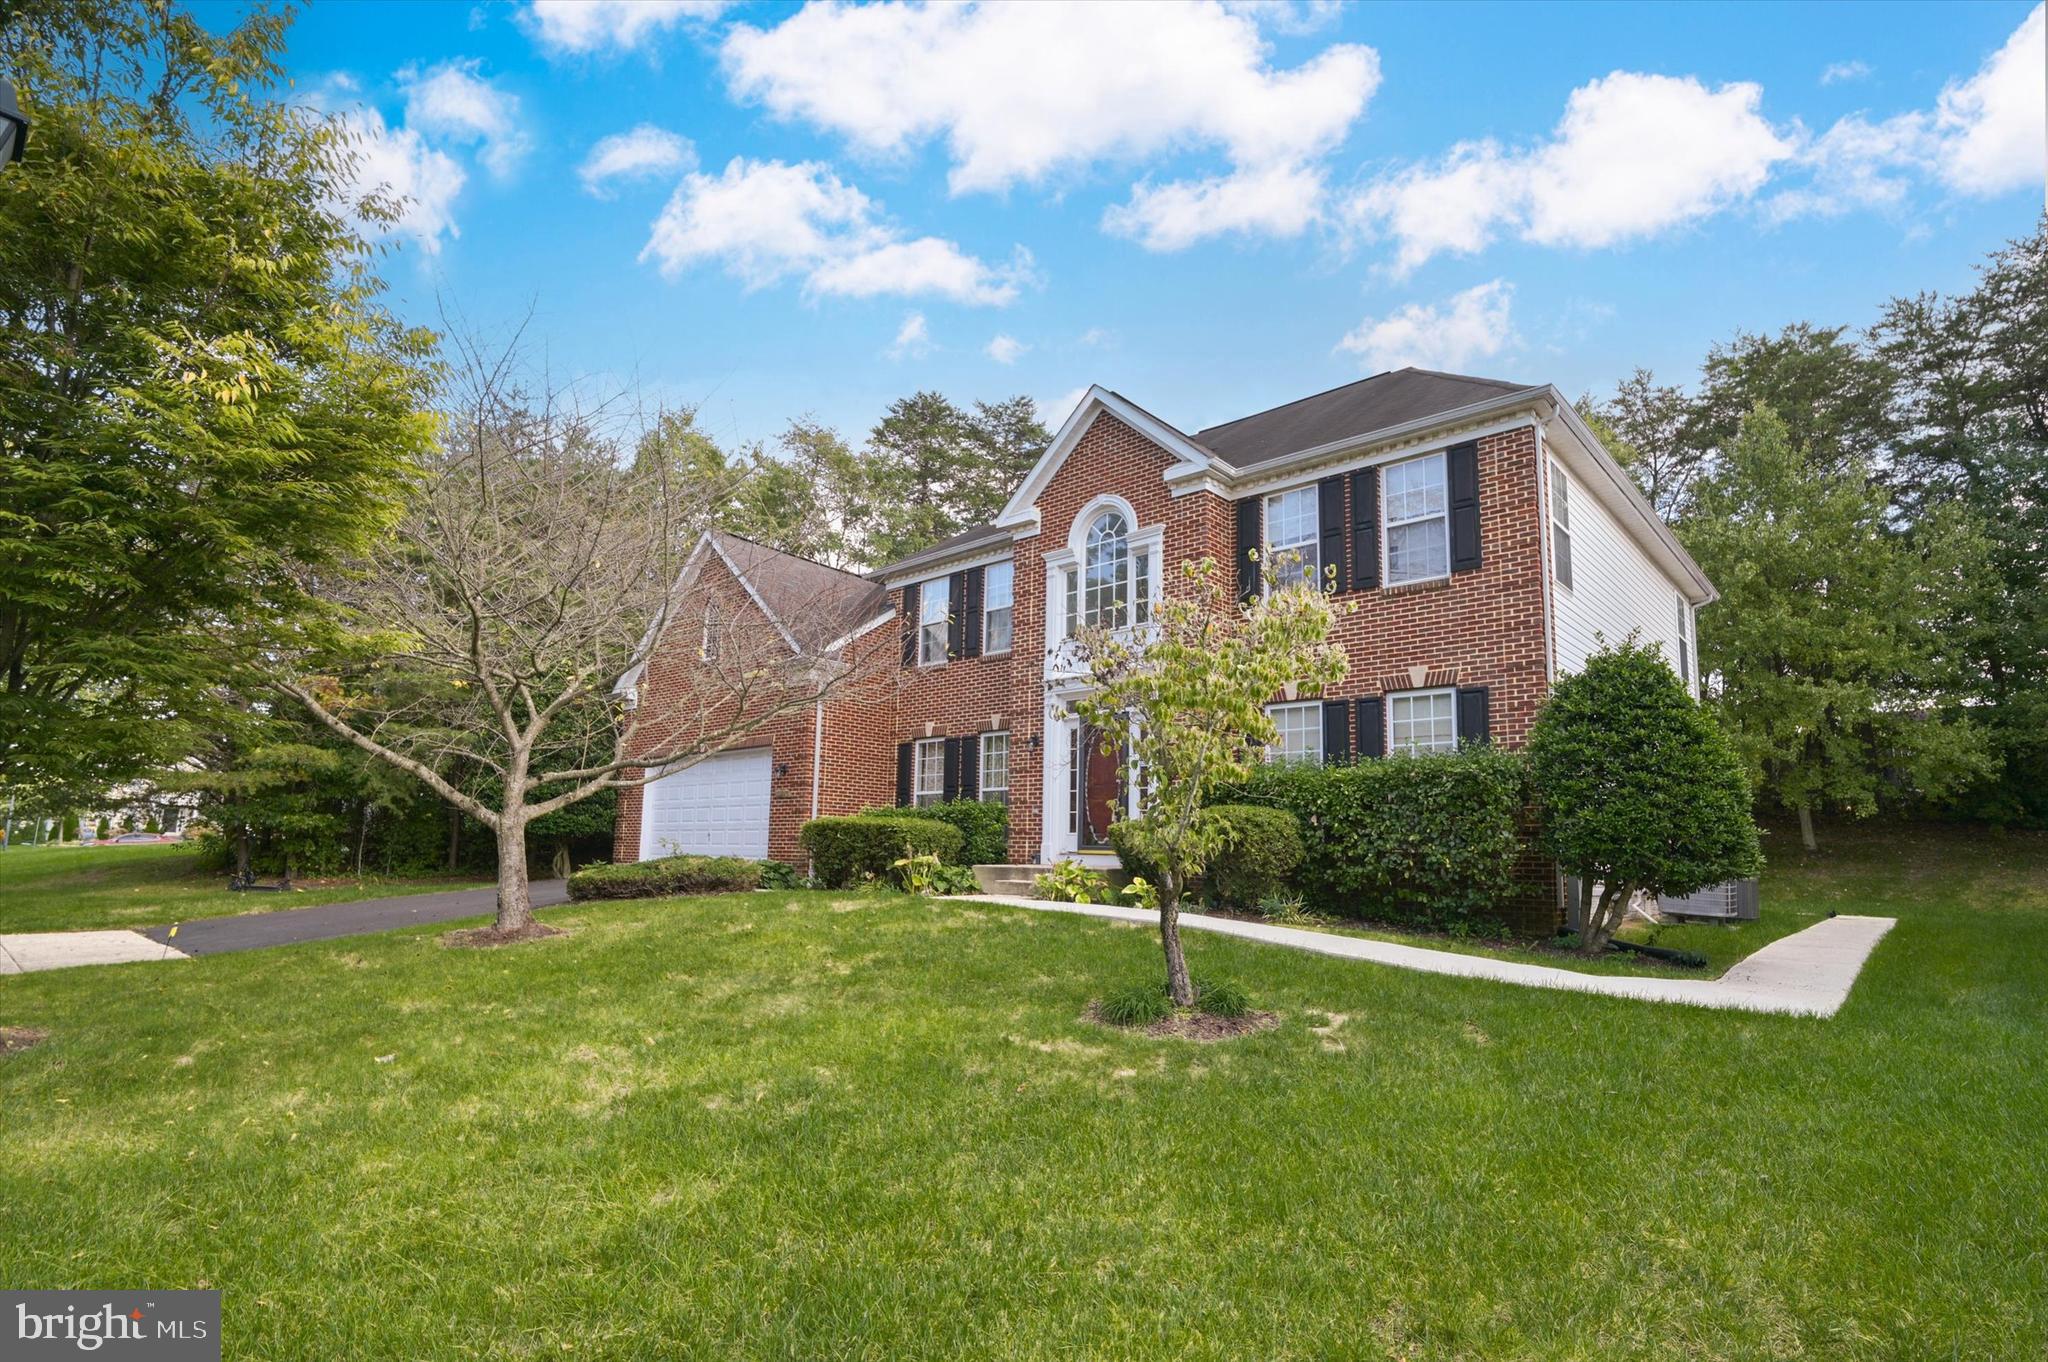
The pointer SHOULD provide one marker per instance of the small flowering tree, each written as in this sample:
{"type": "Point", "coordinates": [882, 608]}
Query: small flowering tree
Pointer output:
{"type": "Point", "coordinates": [1188, 693]}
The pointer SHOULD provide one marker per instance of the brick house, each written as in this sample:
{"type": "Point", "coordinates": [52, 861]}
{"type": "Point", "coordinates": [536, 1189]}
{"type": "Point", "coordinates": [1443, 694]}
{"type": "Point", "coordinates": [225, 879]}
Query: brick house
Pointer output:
{"type": "Point", "coordinates": [1487, 539]}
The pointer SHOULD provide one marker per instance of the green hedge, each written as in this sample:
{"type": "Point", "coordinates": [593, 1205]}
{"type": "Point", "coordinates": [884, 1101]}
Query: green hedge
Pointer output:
{"type": "Point", "coordinates": [666, 876]}
{"type": "Point", "coordinates": [1429, 839]}
{"type": "Point", "coordinates": [1262, 849]}
{"type": "Point", "coordinates": [845, 851]}
{"type": "Point", "coordinates": [984, 828]}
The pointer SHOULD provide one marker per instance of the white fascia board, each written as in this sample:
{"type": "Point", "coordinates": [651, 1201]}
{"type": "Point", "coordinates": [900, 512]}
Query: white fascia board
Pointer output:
{"type": "Point", "coordinates": [1618, 490]}
{"type": "Point", "coordinates": [864, 630]}
{"type": "Point", "coordinates": [1353, 454]}
{"type": "Point", "coordinates": [980, 556]}
{"type": "Point", "coordinates": [631, 678]}
{"type": "Point", "coordinates": [1191, 459]}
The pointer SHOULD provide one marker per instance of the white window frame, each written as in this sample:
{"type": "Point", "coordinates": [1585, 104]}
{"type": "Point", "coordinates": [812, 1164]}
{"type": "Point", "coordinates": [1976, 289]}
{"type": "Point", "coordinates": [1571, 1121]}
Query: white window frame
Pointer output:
{"type": "Point", "coordinates": [1561, 561]}
{"type": "Point", "coordinates": [1687, 663]}
{"type": "Point", "coordinates": [926, 624]}
{"type": "Point", "coordinates": [1008, 608]}
{"type": "Point", "coordinates": [1122, 602]}
{"type": "Point", "coordinates": [929, 759]}
{"type": "Point", "coordinates": [1310, 570]}
{"type": "Point", "coordinates": [1388, 523]}
{"type": "Point", "coordinates": [1395, 700]}
{"type": "Point", "coordinates": [989, 742]}
{"type": "Point", "coordinates": [1314, 730]}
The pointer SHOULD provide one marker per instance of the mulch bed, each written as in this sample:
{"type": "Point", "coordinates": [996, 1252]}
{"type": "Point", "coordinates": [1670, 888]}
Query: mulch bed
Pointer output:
{"type": "Point", "coordinates": [485, 938]}
{"type": "Point", "coordinates": [17, 1038]}
{"type": "Point", "coordinates": [1195, 1026]}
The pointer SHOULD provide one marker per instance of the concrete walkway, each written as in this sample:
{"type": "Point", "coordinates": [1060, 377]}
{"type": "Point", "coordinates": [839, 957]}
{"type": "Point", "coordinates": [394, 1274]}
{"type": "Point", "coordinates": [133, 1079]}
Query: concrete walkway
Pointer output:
{"type": "Point", "coordinates": [1808, 973]}
{"type": "Point", "coordinates": [27, 951]}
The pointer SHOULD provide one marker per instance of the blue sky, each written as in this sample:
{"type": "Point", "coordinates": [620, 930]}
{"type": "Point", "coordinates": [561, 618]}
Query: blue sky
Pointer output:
{"type": "Point", "coordinates": [1210, 208]}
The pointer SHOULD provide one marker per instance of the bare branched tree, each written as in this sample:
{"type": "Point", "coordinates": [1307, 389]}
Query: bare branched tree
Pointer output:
{"type": "Point", "coordinates": [484, 646]}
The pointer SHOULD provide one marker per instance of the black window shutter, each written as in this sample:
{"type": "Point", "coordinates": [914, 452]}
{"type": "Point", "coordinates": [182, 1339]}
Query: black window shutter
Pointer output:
{"type": "Point", "coordinates": [956, 587]}
{"type": "Point", "coordinates": [1464, 478]}
{"type": "Point", "coordinates": [970, 766]}
{"type": "Point", "coordinates": [1365, 529]}
{"type": "Point", "coordinates": [1473, 720]}
{"type": "Point", "coordinates": [904, 753]}
{"type": "Point", "coordinates": [1248, 548]}
{"type": "Point", "coordinates": [1336, 730]}
{"type": "Point", "coordinates": [951, 786]}
{"type": "Point", "coordinates": [970, 609]}
{"type": "Point", "coordinates": [1335, 575]}
{"type": "Point", "coordinates": [910, 608]}
{"type": "Point", "coordinates": [1372, 726]}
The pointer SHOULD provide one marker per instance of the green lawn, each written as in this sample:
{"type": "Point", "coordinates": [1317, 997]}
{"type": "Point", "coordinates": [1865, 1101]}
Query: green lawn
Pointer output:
{"type": "Point", "coordinates": [71, 888]}
{"type": "Point", "coordinates": [805, 1125]}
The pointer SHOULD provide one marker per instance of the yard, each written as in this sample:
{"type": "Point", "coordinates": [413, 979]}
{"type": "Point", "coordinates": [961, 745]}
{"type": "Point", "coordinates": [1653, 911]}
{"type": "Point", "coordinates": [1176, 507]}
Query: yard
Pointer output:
{"type": "Point", "coordinates": [806, 1124]}
{"type": "Point", "coordinates": [73, 888]}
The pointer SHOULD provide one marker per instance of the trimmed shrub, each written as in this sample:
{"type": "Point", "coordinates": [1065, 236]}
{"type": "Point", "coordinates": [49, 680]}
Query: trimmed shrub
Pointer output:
{"type": "Point", "coordinates": [846, 851]}
{"type": "Point", "coordinates": [667, 876]}
{"type": "Point", "coordinates": [1260, 852]}
{"type": "Point", "coordinates": [984, 828]}
{"type": "Point", "coordinates": [1430, 840]}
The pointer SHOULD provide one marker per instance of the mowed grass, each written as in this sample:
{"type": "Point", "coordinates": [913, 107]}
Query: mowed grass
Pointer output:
{"type": "Point", "coordinates": [807, 1125]}
{"type": "Point", "coordinates": [73, 888]}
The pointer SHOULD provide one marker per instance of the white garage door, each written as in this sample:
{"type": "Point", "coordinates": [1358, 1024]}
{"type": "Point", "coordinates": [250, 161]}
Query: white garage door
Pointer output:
{"type": "Point", "coordinates": [718, 807]}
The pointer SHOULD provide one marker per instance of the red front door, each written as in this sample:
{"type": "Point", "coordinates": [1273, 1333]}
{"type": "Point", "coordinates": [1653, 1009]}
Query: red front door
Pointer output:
{"type": "Point", "coordinates": [1102, 788]}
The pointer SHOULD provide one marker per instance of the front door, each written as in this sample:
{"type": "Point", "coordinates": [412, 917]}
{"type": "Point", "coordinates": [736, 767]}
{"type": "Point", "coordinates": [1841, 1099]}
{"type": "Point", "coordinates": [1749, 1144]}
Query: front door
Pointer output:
{"type": "Point", "coordinates": [1102, 787]}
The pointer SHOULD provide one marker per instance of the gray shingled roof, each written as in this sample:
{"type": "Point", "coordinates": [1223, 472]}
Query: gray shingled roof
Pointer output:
{"type": "Point", "coordinates": [816, 603]}
{"type": "Point", "coordinates": [1388, 399]}
{"type": "Point", "coordinates": [945, 548]}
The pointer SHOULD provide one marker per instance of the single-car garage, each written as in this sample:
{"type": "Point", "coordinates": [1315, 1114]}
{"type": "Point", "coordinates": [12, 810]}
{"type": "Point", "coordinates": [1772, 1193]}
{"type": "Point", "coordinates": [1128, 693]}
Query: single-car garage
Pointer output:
{"type": "Point", "coordinates": [717, 807]}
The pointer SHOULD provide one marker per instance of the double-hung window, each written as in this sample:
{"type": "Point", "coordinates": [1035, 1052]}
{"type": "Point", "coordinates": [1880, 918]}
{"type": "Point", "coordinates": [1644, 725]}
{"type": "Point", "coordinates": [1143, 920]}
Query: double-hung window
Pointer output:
{"type": "Point", "coordinates": [1300, 729]}
{"type": "Point", "coordinates": [931, 772]}
{"type": "Point", "coordinates": [934, 615]}
{"type": "Point", "coordinates": [1292, 537]}
{"type": "Point", "coordinates": [1684, 644]}
{"type": "Point", "coordinates": [998, 588]}
{"type": "Point", "coordinates": [1561, 527]}
{"type": "Point", "coordinates": [1422, 721]}
{"type": "Point", "coordinates": [995, 768]}
{"type": "Point", "coordinates": [1416, 509]}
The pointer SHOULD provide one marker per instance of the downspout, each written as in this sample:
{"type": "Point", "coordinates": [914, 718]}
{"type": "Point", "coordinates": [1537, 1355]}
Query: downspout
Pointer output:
{"type": "Point", "coordinates": [817, 765]}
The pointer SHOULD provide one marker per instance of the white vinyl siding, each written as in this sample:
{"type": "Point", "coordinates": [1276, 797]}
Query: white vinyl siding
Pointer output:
{"type": "Point", "coordinates": [1422, 721]}
{"type": "Point", "coordinates": [1292, 535]}
{"type": "Point", "coordinates": [1300, 731]}
{"type": "Point", "coordinates": [1415, 520]}
{"type": "Point", "coordinates": [995, 768]}
{"type": "Point", "coordinates": [1616, 588]}
{"type": "Point", "coordinates": [934, 610]}
{"type": "Point", "coordinates": [997, 596]}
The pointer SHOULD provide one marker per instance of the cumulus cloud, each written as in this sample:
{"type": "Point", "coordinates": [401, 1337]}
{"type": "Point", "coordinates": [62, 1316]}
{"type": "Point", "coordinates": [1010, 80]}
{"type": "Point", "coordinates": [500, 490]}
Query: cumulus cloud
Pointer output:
{"type": "Point", "coordinates": [642, 153]}
{"type": "Point", "coordinates": [454, 102]}
{"type": "Point", "coordinates": [913, 338]}
{"type": "Point", "coordinates": [1840, 71]}
{"type": "Point", "coordinates": [1006, 349]}
{"type": "Point", "coordinates": [766, 221]}
{"type": "Point", "coordinates": [413, 184]}
{"type": "Point", "coordinates": [577, 28]}
{"type": "Point", "coordinates": [1634, 155]}
{"type": "Point", "coordinates": [1024, 94]}
{"type": "Point", "coordinates": [1468, 326]}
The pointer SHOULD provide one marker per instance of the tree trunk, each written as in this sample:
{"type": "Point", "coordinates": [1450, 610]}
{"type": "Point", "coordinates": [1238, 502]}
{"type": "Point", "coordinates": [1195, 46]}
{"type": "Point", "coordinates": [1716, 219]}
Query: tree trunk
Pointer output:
{"type": "Point", "coordinates": [242, 852]}
{"type": "Point", "coordinates": [1178, 986]}
{"type": "Point", "coordinates": [1806, 828]}
{"type": "Point", "coordinates": [515, 905]}
{"type": "Point", "coordinates": [1597, 927]}
{"type": "Point", "coordinates": [454, 837]}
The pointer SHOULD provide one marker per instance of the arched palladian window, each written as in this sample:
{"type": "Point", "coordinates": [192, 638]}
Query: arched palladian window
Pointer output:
{"type": "Point", "coordinates": [1116, 579]}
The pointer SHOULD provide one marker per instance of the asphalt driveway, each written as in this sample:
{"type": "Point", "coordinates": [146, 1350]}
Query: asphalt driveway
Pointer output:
{"type": "Point", "coordinates": [322, 922]}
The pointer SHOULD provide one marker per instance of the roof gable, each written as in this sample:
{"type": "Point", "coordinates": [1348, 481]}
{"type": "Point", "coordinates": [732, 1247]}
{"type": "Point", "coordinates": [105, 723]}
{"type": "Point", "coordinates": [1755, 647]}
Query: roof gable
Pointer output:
{"type": "Point", "coordinates": [1189, 457]}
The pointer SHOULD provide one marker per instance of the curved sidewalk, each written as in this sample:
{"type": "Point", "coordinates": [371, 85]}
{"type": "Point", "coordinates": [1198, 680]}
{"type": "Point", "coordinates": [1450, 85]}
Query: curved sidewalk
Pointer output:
{"type": "Point", "coordinates": [1808, 973]}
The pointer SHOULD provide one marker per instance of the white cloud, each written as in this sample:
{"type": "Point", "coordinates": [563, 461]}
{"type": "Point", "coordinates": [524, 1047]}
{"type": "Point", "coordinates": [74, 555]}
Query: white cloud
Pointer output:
{"type": "Point", "coordinates": [1022, 94]}
{"type": "Point", "coordinates": [1990, 128]}
{"type": "Point", "coordinates": [1006, 349]}
{"type": "Point", "coordinates": [583, 27]}
{"type": "Point", "coordinates": [913, 338]}
{"type": "Point", "coordinates": [1056, 412]}
{"type": "Point", "coordinates": [766, 221]}
{"type": "Point", "coordinates": [1471, 325]}
{"type": "Point", "coordinates": [417, 182]}
{"type": "Point", "coordinates": [643, 153]}
{"type": "Point", "coordinates": [1097, 335]}
{"type": "Point", "coordinates": [1840, 71]}
{"type": "Point", "coordinates": [451, 101]}
{"type": "Point", "coordinates": [1291, 17]}
{"type": "Point", "coordinates": [1634, 155]}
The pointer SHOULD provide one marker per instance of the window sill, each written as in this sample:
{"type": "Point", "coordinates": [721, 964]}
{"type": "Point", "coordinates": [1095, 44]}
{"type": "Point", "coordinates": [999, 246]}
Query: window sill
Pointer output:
{"type": "Point", "coordinates": [1420, 584]}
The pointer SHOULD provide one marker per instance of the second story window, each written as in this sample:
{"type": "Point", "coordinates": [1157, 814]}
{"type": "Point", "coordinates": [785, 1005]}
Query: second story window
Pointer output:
{"type": "Point", "coordinates": [1684, 645]}
{"type": "Point", "coordinates": [934, 612]}
{"type": "Point", "coordinates": [1106, 573]}
{"type": "Point", "coordinates": [1561, 528]}
{"type": "Point", "coordinates": [1416, 509]}
{"type": "Point", "coordinates": [997, 593]}
{"type": "Point", "coordinates": [1292, 537]}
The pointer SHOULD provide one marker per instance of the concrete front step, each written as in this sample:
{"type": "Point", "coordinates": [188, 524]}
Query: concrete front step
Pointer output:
{"type": "Point", "coordinates": [1008, 879]}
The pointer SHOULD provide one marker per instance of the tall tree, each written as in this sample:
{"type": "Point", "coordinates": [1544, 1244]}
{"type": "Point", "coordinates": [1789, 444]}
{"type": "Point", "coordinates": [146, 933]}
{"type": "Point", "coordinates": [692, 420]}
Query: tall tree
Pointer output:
{"type": "Point", "coordinates": [1829, 392]}
{"type": "Point", "coordinates": [934, 470]}
{"type": "Point", "coordinates": [1647, 420]}
{"type": "Point", "coordinates": [199, 387]}
{"type": "Point", "coordinates": [1820, 657]}
{"type": "Point", "coordinates": [1008, 437]}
